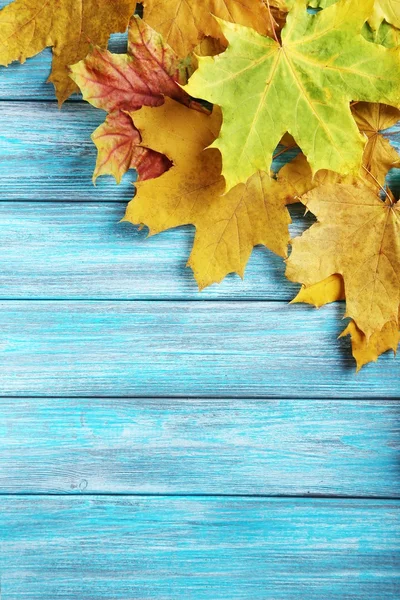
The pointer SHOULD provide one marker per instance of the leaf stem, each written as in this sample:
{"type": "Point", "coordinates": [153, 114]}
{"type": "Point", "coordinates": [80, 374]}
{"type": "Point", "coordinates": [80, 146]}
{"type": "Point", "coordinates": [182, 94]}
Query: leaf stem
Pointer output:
{"type": "Point", "coordinates": [272, 20]}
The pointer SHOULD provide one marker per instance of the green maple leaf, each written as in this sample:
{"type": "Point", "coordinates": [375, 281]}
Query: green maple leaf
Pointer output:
{"type": "Point", "coordinates": [302, 85]}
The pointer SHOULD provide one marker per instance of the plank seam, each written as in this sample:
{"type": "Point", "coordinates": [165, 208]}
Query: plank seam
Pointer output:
{"type": "Point", "coordinates": [202, 495]}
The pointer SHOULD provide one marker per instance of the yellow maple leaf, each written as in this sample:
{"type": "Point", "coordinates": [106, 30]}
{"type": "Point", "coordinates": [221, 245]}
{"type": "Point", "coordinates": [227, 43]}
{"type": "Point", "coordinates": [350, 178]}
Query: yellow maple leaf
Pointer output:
{"type": "Point", "coordinates": [358, 237]}
{"type": "Point", "coordinates": [183, 23]}
{"type": "Point", "coordinates": [385, 10]}
{"type": "Point", "coordinates": [69, 26]}
{"type": "Point", "coordinates": [227, 226]}
{"type": "Point", "coordinates": [366, 351]}
{"type": "Point", "coordinates": [379, 156]}
{"type": "Point", "coordinates": [323, 292]}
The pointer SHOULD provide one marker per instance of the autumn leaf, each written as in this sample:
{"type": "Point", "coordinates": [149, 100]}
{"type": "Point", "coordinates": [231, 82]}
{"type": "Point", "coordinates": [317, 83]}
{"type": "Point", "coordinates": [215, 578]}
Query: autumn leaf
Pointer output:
{"type": "Point", "coordinates": [183, 23]}
{"type": "Point", "coordinates": [227, 226]}
{"type": "Point", "coordinates": [303, 85]}
{"type": "Point", "coordinates": [69, 26]}
{"type": "Point", "coordinates": [382, 10]}
{"type": "Point", "coordinates": [142, 77]}
{"type": "Point", "coordinates": [358, 237]}
{"type": "Point", "coordinates": [366, 351]}
{"type": "Point", "coordinates": [379, 156]}
{"type": "Point", "coordinates": [385, 10]}
{"type": "Point", "coordinates": [119, 149]}
{"type": "Point", "coordinates": [386, 35]}
{"type": "Point", "coordinates": [323, 292]}
{"type": "Point", "coordinates": [118, 83]}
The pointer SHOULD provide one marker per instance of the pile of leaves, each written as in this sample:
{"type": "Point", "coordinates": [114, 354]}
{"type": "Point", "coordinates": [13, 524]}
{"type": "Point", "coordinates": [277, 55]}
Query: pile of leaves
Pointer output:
{"type": "Point", "coordinates": [208, 94]}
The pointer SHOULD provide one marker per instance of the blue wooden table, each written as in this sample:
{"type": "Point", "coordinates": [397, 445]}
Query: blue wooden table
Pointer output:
{"type": "Point", "coordinates": [157, 443]}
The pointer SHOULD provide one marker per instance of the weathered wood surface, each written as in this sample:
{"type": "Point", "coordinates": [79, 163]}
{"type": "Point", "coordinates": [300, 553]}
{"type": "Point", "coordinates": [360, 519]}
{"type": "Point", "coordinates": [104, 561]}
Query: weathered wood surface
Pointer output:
{"type": "Point", "coordinates": [197, 548]}
{"type": "Point", "coordinates": [198, 349]}
{"type": "Point", "coordinates": [210, 446]}
{"type": "Point", "coordinates": [124, 434]}
{"type": "Point", "coordinates": [73, 250]}
{"type": "Point", "coordinates": [47, 154]}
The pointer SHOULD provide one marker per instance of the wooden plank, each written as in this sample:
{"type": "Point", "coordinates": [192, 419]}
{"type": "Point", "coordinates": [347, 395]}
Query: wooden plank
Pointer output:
{"type": "Point", "coordinates": [199, 548]}
{"type": "Point", "coordinates": [82, 251]}
{"type": "Point", "coordinates": [198, 349]}
{"type": "Point", "coordinates": [47, 154]}
{"type": "Point", "coordinates": [181, 446]}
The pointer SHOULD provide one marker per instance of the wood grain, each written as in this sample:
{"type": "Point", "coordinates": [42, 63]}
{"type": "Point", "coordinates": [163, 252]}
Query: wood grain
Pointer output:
{"type": "Point", "coordinates": [82, 250]}
{"type": "Point", "coordinates": [47, 154]}
{"type": "Point", "coordinates": [208, 446]}
{"type": "Point", "coordinates": [199, 548]}
{"type": "Point", "coordinates": [197, 349]}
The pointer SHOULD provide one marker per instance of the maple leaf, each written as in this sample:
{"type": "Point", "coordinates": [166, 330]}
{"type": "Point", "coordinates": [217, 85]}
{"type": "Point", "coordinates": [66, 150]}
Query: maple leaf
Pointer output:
{"type": "Point", "coordinates": [358, 237]}
{"type": "Point", "coordinates": [142, 77]}
{"type": "Point", "coordinates": [379, 156]}
{"type": "Point", "coordinates": [386, 35]}
{"type": "Point", "coordinates": [302, 85]}
{"type": "Point", "coordinates": [366, 351]}
{"type": "Point", "coordinates": [183, 23]}
{"type": "Point", "coordinates": [119, 149]}
{"type": "Point", "coordinates": [69, 26]}
{"type": "Point", "coordinates": [385, 10]}
{"type": "Point", "coordinates": [118, 83]}
{"type": "Point", "coordinates": [382, 10]}
{"type": "Point", "coordinates": [323, 292]}
{"type": "Point", "coordinates": [227, 226]}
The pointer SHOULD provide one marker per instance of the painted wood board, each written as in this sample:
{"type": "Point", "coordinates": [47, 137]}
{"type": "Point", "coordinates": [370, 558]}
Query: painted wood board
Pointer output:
{"type": "Point", "coordinates": [208, 446]}
{"type": "Point", "coordinates": [47, 154]}
{"type": "Point", "coordinates": [197, 349]}
{"type": "Point", "coordinates": [81, 250]}
{"type": "Point", "coordinates": [199, 548]}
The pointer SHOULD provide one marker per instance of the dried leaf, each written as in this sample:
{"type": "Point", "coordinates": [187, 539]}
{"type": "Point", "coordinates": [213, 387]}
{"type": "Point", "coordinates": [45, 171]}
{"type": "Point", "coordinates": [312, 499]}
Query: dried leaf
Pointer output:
{"type": "Point", "coordinates": [379, 156]}
{"type": "Point", "coordinates": [303, 86]}
{"type": "Point", "coordinates": [118, 144]}
{"type": "Point", "coordinates": [358, 237]}
{"type": "Point", "coordinates": [324, 292]}
{"type": "Point", "coordinates": [227, 227]}
{"type": "Point", "coordinates": [183, 24]}
{"type": "Point", "coordinates": [150, 71]}
{"type": "Point", "coordinates": [69, 26]}
{"type": "Point", "coordinates": [366, 351]}
{"type": "Point", "coordinates": [118, 83]}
